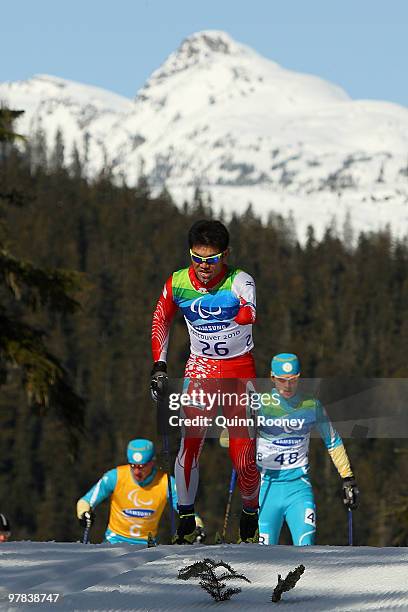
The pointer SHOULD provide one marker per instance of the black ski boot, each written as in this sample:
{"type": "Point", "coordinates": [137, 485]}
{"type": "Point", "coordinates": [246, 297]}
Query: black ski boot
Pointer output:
{"type": "Point", "coordinates": [248, 527]}
{"type": "Point", "coordinates": [186, 531]}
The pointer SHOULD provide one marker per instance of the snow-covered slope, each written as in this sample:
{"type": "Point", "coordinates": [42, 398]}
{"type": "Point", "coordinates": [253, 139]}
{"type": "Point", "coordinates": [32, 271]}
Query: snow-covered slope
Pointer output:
{"type": "Point", "coordinates": [121, 577]}
{"type": "Point", "coordinates": [218, 115]}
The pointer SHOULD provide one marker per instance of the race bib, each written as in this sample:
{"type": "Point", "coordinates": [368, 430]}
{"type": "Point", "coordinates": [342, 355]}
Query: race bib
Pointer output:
{"type": "Point", "coordinates": [282, 453]}
{"type": "Point", "coordinates": [232, 341]}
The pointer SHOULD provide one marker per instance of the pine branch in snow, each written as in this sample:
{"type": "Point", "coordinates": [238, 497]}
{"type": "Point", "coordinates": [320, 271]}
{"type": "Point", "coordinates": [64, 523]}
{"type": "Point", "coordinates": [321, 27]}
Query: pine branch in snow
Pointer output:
{"type": "Point", "coordinates": [287, 583]}
{"type": "Point", "coordinates": [209, 581]}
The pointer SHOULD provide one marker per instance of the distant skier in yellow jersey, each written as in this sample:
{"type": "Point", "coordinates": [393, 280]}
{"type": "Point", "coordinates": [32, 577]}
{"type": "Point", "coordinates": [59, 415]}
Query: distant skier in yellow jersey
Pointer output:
{"type": "Point", "coordinates": [139, 494]}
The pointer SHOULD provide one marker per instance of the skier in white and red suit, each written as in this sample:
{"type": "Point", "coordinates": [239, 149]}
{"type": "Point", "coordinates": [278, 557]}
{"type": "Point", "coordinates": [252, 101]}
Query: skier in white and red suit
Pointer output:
{"type": "Point", "coordinates": [219, 306]}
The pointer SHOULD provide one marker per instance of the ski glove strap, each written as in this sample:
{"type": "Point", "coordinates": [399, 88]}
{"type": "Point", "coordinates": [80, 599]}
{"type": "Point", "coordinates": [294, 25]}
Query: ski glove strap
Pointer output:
{"type": "Point", "coordinates": [350, 493]}
{"type": "Point", "coordinates": [87, 518]}
{"type": "Point", "coordinates": [158, 381]}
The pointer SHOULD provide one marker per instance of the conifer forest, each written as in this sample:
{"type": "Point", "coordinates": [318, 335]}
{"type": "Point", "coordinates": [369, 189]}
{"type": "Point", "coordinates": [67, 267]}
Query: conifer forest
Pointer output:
{"type": "Point", "coordinates": [82, 264]}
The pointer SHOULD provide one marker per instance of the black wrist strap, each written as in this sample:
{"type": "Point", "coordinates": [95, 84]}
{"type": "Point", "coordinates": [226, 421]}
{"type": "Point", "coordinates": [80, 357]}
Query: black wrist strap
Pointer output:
{"type": "Point", "coordinates": [159, 366]}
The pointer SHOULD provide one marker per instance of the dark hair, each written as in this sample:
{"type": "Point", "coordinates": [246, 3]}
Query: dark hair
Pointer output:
{"type": "Point", "coordinates": [209, 233]}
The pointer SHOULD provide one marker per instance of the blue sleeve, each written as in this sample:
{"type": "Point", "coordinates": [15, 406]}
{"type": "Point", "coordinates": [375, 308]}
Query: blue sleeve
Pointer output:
{"type": "Point", "coordinates": [173, 493]}
{"type": "Point", "coordinates": [102, 489]}
{"type": "Point", "coordinates": [329, 434]}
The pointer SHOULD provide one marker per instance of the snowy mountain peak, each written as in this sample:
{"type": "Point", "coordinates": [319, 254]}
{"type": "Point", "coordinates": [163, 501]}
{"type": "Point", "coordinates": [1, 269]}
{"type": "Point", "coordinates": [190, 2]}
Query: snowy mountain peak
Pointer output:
{"type": "Point", "coordinates": [199, 49]}
{"type": "Point", "coordinates": [208, 42]}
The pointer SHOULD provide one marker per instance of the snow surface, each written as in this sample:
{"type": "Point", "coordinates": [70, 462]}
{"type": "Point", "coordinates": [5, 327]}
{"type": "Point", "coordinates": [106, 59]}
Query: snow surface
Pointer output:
{"type": "Point", "coordinates": [123, 577]}
{"type": "Point", "coordinates": [218, 115]}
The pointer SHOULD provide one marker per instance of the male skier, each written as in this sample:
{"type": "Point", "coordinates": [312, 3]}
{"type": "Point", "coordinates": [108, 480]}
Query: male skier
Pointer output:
{"type": "Point", "coordinates": [138, 492]}
{"type": "Point", "coordinates": [285, 420]}
{"type": "Point", "coordinates": [218, 304]}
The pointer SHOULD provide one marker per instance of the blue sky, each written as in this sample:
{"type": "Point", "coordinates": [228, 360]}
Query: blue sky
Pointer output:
{"type": "Point", "coordinates": [362, 45]}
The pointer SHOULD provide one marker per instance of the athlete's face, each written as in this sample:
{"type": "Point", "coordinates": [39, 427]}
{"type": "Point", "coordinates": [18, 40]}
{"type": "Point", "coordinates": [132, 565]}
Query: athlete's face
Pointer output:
{"type": "Point", "coordinates": [141, 471]}
{"type": "Point", "coordinates": [4, 536]}
{"type": "Point", "coordinates": [286, 386]}
{"type": "Point", "coordinates": [204, 271]}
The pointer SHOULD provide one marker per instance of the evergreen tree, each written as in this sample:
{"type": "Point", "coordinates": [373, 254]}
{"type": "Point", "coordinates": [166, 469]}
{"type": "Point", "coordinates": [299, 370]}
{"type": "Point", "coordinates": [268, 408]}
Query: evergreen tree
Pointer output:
{"type": "Point", "coordinates": [24, 290]}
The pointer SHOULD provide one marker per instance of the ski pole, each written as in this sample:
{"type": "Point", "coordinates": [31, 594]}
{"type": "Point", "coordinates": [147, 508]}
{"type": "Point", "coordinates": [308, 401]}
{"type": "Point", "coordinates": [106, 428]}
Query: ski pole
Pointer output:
{"type": "Point", "coordinates": [158, 386]}
{"type": "Point", "coordinates": [350, 527]}
{"type": "Point", "coordinates": [166, 454]}
{"type": "Point", "coordinates": [224, 443]}
{"type": "Point", "coordinates": [228, 508]}
{"type": "Point", "coordinates": [219, 539]}
{"type": "Point", "coordinates": [85, 537]}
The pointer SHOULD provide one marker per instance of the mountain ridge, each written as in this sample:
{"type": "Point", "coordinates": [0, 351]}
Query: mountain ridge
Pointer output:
{"type": "Point", "coordinates": [218, 115]}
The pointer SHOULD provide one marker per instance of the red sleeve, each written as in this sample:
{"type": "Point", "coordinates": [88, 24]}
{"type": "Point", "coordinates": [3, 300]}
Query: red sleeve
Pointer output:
{"type": "Point", "coordinates": [162, 317]}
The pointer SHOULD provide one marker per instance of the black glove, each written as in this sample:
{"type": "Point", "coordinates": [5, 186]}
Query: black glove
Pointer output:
{"type": "Point", "coordinates": [350, 493]}
{"type": "Point", "coordinates": [87, 518]}
{"type": "Point", "coordinates": [201, 535]}
{"type": "Point", "coordinates": [158, 381]}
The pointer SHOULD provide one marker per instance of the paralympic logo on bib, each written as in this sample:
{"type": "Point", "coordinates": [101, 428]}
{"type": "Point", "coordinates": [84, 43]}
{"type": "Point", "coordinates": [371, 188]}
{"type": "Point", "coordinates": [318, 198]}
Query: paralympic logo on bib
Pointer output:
{"type": "Point", "coordinates": [204, 313]}
{"type": "Point", "coordinates": [211, 309]}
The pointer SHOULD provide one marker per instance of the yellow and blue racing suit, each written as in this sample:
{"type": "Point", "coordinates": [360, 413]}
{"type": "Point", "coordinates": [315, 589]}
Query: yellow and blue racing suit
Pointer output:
{"type": "Point", "coordinates": [136, 507]}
